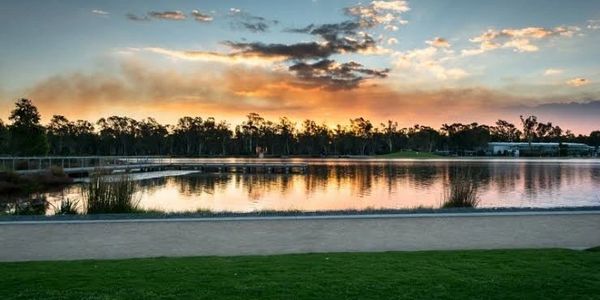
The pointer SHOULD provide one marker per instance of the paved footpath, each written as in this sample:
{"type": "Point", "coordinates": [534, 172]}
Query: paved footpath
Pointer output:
{"type": "Point", "coordinates": [107, 239]}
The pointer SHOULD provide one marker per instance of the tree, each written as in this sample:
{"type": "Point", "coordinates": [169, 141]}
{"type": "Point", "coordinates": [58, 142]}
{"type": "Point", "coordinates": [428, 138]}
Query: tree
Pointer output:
{"type": "Point", "coordinates": [423, 138]}
{"type": "Point", "coordinates": [27, 136]}
{"type": "Point", "coordinates": [3, 138]}
{"type": "Point", "coordinates": [58, 130]}
{"type": "Point", "coordinates": [505, 131]}
{"type": "Point", "coordinates": [389, 131]}
{"type": "Point", "coordinates": [594, 138]}
{"type": "Point", "coordinates": [529, 126]}
{"type": "Point", "coordinates": [286, 129]}
{"type": "Point", "coordinates": [362, 129]}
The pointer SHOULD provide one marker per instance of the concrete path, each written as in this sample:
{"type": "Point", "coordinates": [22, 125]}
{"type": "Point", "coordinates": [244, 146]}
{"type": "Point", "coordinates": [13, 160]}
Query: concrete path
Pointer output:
{"type": "Point", "coordinates": [107, 239]}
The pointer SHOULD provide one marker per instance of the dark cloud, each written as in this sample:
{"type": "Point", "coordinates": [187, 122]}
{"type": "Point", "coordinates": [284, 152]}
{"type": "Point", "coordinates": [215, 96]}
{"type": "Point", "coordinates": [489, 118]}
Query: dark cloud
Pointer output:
{"type": "Point", "coordinates": [245, 21]}
{"type": "Point", "coordinates": [133, 17]}
{"type": "Point", "coordinates": [330, 31]}
{"type": "Point", "coordinates": [328, 74]}
{"type": "Point", "coordinates": [298, 51]}
{"type": "Point", "coordinates": [339, 38]}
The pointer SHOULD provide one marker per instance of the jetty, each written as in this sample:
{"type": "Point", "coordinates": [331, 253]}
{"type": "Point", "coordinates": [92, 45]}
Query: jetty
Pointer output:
{"type": "Point", "coordinates": [86, 165]}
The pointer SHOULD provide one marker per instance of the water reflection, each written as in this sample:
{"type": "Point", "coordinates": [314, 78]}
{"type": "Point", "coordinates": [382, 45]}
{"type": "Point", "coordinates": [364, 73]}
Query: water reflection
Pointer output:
{"type": "Point", "coordinates": [338, 185]}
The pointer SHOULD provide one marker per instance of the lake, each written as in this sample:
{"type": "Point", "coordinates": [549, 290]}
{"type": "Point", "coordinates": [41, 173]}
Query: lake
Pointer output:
{"type": "Point", "coordinates": [341, 184]}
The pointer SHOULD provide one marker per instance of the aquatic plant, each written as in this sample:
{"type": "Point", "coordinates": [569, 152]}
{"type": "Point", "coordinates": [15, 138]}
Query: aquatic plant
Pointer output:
{"type": "Point", "coordinates": [33, 205]}
{"type": "Point", "coordinates": [461, 191]}
{"type": "Point", "coordinates": [105, 194]}
{"type": "Point", "coordinates": [67, 207]}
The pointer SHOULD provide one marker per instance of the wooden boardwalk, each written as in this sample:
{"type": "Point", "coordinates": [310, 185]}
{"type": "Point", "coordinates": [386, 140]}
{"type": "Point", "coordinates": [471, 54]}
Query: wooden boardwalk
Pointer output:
{"type": "Point", "coordinates": [91, 164]}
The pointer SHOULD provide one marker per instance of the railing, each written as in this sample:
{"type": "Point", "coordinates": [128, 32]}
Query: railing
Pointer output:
{"type": "Point", "coordinates": [39, 163]}
{"type": "Point", "coordinates": [86, 163]}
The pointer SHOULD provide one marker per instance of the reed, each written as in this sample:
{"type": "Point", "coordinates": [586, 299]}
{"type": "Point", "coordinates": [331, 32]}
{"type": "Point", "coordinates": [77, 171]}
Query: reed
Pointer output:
{"type": "Point", "coordinates": [106, 195]}
{"type": "Point", "coordinates": [461, 192]}
{"type": "Point", "coordinates": [67, 207]}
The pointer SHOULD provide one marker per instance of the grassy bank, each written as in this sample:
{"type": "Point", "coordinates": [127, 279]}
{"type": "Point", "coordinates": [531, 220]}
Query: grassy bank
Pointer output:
{"type": "Point", "coordinates": [510, 274]}
{"type": "Point", "coordinates": [409, 154]}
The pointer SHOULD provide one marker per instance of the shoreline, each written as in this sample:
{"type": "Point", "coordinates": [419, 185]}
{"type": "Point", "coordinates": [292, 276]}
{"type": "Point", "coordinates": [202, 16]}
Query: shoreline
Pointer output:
{"type": "Point", "coordinates": [207, 215]}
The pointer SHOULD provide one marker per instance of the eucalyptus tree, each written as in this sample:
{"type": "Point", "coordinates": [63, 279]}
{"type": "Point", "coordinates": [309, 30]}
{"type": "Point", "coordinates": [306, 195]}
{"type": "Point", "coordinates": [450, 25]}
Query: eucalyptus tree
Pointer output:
{"type": "Point", "coordinates": [423, 138]}
{"type": "Point", "coordinates": [59, 135]}
{"type": "Point", "coordinates": [250, 130]}
{"type": "Point", "coordinates": [3, 138]}
{"type": "Point", "coordinates": [314, 138]}
{"type": "Point", "coordinates": [504, 131]}
{"type": "Point", "coordinates": [363, 131]}
{"type": "Point", "coordinates": [390, 131]}
{"type": "Point", "coordinates": [27, 136]}
{"type": "Point", "coordinates": [285, 130]}
{"type": "Point", "coordinates": [118, 134]}
{"type": "Point", "coordinates": [151, 137]}
{"type": "Point", "coordinates": [529, 124]}
{"type": "Point", "coordinates": [594, 139]}
{"type": "Point", "coordinates": [86, 141]}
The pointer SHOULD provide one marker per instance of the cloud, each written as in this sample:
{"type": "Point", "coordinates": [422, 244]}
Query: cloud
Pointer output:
{"type": "Point", "coordinates": [201, 17]}
{"type": "Point", "coordinates": [100, 12]}
{"type": "Point", "coordinates": [133, 17]}
{"type": "Point", "coordinates": [140, 89]}
{"type": "Point", "coordinates": [392, 41]}
{"type": "Point", "coordinates": [387, 13]}
{"type": "Point", "coordinates": [175, 15]}
{"type": "Point", "coordinates": [428, 61]}
{"type": "Point", "coordinates": [550, 72]}
{"type": "Point", "coordinates": [227, 58]}
{"type": "Point", "coordinates": [577, 82]}
{"type": "Point", "coordinates": [593, 24]}
{"type": "Point", "coordinates": [328, 74]}
{"type": "Point", "coordinates": [245, 21]}
{"type": "Point", "coordinates": [520, 40]}
{"type": "Point", "coordinates": [438, 42]}
{"type": "Point", "coordinates": [309, 61]}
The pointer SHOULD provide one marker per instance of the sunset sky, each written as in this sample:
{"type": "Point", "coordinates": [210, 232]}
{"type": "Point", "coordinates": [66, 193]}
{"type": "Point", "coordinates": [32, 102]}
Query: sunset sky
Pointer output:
{"type": "Point", "coordinates": [422, 61]}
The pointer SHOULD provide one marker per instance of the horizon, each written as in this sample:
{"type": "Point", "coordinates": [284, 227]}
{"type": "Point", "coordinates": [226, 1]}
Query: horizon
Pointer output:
{"type": "Point", "coordinates": [414, 62]}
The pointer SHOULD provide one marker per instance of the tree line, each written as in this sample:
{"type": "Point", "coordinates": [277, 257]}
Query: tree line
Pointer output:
{"type": "Point", "coordinates": [196, 136]}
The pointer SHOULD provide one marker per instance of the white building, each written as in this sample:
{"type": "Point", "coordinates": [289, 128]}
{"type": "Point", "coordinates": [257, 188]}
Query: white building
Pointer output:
{"type": "Point", "coordinates": [539, 149]}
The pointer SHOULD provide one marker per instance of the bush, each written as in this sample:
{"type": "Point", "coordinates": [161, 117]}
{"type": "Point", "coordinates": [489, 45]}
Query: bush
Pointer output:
{"type": "Point", "coordinates": [106, 195]}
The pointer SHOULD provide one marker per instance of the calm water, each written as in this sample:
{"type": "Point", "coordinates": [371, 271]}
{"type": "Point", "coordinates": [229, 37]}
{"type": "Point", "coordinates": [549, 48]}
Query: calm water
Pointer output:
{"type": "Point", "coordinates": [360, 184]}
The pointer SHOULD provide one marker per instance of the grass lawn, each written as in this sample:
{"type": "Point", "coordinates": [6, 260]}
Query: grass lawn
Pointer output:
{"type": "Point", "coordinates": [409, 154]}
{"type": "Point", "coordinates": [496, 274]}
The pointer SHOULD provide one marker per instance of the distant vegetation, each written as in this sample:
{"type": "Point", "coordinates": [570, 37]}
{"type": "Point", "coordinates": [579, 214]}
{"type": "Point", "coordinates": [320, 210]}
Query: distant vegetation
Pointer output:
{"type": "Point", "coordinates": [197, 136]}
{"type": "Point", "coordinates": [409, 154]}
{"type": "Point", "coordinates": [12, 183]}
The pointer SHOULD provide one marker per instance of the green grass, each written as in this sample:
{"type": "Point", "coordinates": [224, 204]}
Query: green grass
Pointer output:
{"type": "Point", "coordinates": [497, 274]}
{"type": "Point", "coordinates": [409, 154]}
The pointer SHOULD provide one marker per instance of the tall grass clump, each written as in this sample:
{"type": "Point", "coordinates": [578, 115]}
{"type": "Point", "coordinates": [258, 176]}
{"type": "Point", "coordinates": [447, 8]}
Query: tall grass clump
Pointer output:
{"type": "Point", "coordinates": [67, 207]}
{"type": "Point", "coordinates": [461, 192]}
{"type": "Point", "coordinates": [106, 195]}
